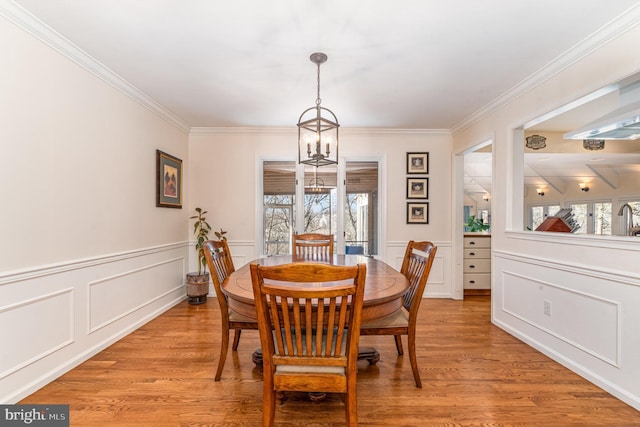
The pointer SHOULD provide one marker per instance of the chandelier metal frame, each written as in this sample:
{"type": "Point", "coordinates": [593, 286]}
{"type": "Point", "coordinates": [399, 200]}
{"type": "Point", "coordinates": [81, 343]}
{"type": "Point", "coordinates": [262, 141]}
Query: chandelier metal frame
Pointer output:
{"type": "Point", "coordinates": [318, 133]}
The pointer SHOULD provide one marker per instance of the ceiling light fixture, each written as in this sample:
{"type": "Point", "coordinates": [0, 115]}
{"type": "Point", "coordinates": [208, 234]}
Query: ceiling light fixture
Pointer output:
{"type": "Point", "coordinates": [536, 142]}
{"type": "Point", "coordinates": [593, 144]}
{"type": "Point", "coordinates": [583, 186]}
{"type": "Point", "coordinates": [316, 185]}
{"type": "Point", "coordinates": [318, 135]}
{"type": "Point", "coordinates": [540, 192]}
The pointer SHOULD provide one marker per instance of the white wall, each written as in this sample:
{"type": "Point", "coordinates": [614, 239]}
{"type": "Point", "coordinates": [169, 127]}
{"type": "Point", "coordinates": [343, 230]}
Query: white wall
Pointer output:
{"type": "Point", "coordinates": [85, 256]}
{"type": "Point", "coordinates": [225, 164]}
{"type": "Point", "coordinates": [592, 283]}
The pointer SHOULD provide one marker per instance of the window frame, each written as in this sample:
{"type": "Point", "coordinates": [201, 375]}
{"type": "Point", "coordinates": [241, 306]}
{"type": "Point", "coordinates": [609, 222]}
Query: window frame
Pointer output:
{"type": "Point", "coordinates": [341, 197]}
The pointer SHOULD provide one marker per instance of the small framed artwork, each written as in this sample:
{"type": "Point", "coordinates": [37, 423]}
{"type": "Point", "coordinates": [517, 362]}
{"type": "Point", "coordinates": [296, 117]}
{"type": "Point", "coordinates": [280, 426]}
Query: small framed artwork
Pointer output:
{"type": "Point", "coordinates": [168, 181]}
{"type": "Point", "coordinates": [418, 163]}
{"type": "Point", "coordinates": [418, 213]}
{"type": "Point", "coordinates": [417, 188]}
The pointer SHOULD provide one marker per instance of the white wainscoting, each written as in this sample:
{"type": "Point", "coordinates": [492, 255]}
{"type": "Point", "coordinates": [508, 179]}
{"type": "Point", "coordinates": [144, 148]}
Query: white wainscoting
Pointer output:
{"type": "Point", "coordinates": [584, 318]}
{"type": "Point", "coordinates": [242, 252]}
{"type": "Point", "coordinates": [53, 318]}
{"type": "Point", "coordinates": [440, 283]}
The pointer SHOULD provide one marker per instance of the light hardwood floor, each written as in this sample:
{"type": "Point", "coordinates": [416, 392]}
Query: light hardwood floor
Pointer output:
{"type": "Point", "coordinates": [473, 374]}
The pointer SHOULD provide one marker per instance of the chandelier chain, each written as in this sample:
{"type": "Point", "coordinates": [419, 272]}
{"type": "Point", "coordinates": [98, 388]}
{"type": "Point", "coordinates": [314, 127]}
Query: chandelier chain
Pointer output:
{"type": "Point", "coordinates": [318, 100]}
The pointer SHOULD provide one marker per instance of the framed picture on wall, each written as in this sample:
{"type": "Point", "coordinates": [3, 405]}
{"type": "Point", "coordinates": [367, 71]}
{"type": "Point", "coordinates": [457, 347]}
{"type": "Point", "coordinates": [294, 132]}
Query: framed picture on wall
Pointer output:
{"type": "Point", "coordinates": [168, 181]}
{"type": "Point", "coordinates": [417, 163]}
{"type": "Point", "coordinates": [417, 188]}
{"type": "Point", "coordinates": [418, 213]}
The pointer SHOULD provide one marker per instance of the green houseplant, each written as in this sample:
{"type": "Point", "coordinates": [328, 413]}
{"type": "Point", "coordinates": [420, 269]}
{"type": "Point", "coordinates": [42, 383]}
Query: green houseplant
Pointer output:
{"type": "Point", "coordinates": [198, 282]}
{"type": "Point", "coordinates": [474, 224]}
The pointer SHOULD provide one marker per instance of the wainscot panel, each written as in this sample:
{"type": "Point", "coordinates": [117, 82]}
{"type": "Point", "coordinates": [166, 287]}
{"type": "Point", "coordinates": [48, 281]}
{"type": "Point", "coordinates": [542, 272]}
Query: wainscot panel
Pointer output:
{"type": "Point", "coordinates": [585, 317]}
{"type": "Point", "coordinates": [51, 314]}
{"type": "Point", "coordinates": [585, 321]}
{"type": "Point", "coordinates": [57, 316]}
{"type": "Point", "coordinates": [112, 298]}
{"type": "Point", "coordinates": [440, 284]}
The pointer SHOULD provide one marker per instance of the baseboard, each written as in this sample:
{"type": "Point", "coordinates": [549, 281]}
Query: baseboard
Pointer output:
{"type": "Point", "coordinates": [477, 292]}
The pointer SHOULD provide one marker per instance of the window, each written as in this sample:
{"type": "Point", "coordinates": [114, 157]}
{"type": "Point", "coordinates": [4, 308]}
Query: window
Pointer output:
{"type": "Point", "coordinates": [579, 211]}
{"type": "Point", "coordinates": [279, 190]}
{"type": "Point", "coordinates": [320, 192]}
{"type": "Point", "coordinates": [537, 214]}
{"type": "Point", "coordinates": [624, 218]}
{"type": "Point", "coordinates": [593, 217]}
{"type": "Point", "coordinates": [602, 218]}
{"type": "Point", "coordinates": [350, 212]}
{"type": "Point", "coordinates": [361, 208]}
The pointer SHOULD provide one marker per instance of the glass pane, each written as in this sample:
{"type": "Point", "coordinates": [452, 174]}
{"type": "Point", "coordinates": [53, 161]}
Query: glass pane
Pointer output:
{"type": "Point", "coordinates": [623, 217]}
{"type": "Point", "coordinates": [636, 212]}
{"type": "Point", "coordinates": [279, 188]}
{"type": "Point", "coordinates": [542, 212]}
{"type": "Point", "coordinates": [320, 200]}
{"type": "Point", "coordinates": [602, 218]}
{"type": "Point", "coordinates": [361, 208]}
{"type": "Point", "coordinates": [579, 211]}
{"type": "Point", "coordinates": [537, 216]}
{"type": "Point", "coordinates": [552, 210]}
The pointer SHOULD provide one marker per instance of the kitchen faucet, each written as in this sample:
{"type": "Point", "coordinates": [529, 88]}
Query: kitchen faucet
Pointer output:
{"type": "Point", "coordinates": [629, 225]}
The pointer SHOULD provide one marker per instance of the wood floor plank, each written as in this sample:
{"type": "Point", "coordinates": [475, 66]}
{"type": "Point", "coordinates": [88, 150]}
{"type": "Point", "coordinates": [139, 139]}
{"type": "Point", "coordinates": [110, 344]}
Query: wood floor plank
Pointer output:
{"type": "Point", "coordinates": [473, 374]}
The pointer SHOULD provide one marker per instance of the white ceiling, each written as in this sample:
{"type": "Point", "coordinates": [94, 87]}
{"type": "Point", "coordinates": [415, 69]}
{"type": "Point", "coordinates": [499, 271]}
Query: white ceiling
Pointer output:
{"type": "Point", "coordinates": [411, 64]}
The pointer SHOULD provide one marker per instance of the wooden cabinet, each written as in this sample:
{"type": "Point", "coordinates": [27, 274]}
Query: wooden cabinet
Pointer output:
{"type": "Point", "coordinates": [477, 261]}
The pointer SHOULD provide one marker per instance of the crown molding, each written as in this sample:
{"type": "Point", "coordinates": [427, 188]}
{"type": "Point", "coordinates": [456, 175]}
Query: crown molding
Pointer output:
{"type": "Point", "coordinates": [343, 131]}
{"type": "Point", "coordinates": [208, 130]}
{"type": "Point", "coordinates": [611, 30]}
{"type": "Point", "coordinates": [396, 131]}
{"type": "Point", "coordinates": [23, 19]}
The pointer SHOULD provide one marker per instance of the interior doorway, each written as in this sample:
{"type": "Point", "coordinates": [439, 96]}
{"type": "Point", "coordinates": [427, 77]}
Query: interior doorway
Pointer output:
{"type": "Point", "coordinates": [472, 230]}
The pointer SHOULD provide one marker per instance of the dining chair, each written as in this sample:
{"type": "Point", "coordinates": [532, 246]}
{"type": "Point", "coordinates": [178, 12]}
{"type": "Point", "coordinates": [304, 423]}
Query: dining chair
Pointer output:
{"type": "Point", "coordinates": [309, 334]}
{"type": "Point", "coordinates": [221, 266]}
{"type": "Point", "coordinates": [313, 246]}
{"type": "Point", "coordinates": [416, 266]}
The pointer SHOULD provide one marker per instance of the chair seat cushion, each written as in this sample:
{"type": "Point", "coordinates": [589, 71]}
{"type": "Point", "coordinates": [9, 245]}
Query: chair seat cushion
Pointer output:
{"type": "Point", "coordinates": [311, 369]}
{"type": "Point", "coordinates": [398, 319]}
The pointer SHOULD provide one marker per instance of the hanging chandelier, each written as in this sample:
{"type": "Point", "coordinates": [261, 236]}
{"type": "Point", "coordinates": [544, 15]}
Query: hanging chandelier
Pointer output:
{"type": "Point", "coordinates": [318, 134]}
{"type": "Point", "coordinates": [316, 185]}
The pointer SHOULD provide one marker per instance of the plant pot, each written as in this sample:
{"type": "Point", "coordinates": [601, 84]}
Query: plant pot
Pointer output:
{"type": "Point", "coordinates": [197, 287]}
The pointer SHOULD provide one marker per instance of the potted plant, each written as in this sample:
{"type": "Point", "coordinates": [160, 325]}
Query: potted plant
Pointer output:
{"type": "Point", "coordinates": [198, 282]}
{"type": "Point", "coordinates": [474, 224]}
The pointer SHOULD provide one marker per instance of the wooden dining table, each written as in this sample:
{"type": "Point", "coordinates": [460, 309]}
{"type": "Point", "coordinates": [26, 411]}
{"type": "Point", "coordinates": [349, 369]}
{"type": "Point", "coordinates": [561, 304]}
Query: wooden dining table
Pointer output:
{"type": "Point", "coordinates": [384, 288]}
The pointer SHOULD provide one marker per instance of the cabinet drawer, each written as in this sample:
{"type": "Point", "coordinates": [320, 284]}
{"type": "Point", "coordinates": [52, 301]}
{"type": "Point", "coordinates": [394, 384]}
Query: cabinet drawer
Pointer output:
{"type": "Point", "coordinates": [477, 242]}
{"type": "Point", "coordinates": [477, 253]}
{"type": "Point", "coordinates": [477, 266]}
{"type": "Point", "coordinates": [477, 281]}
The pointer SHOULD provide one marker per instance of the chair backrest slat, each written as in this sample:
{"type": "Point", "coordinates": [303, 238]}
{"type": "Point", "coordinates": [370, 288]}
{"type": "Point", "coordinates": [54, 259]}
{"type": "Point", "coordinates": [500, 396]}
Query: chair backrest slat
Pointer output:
{"type": "Point", "coordinates": [416, 266]}
{"type": "Point", "coordinates": [314, 246]}
{"type": "Point", "coordinates": [220, 265]}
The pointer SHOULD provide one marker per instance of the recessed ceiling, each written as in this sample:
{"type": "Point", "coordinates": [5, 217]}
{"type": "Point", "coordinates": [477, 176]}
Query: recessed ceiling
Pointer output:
{"type": "Point", "coordinates": [412, 64]}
